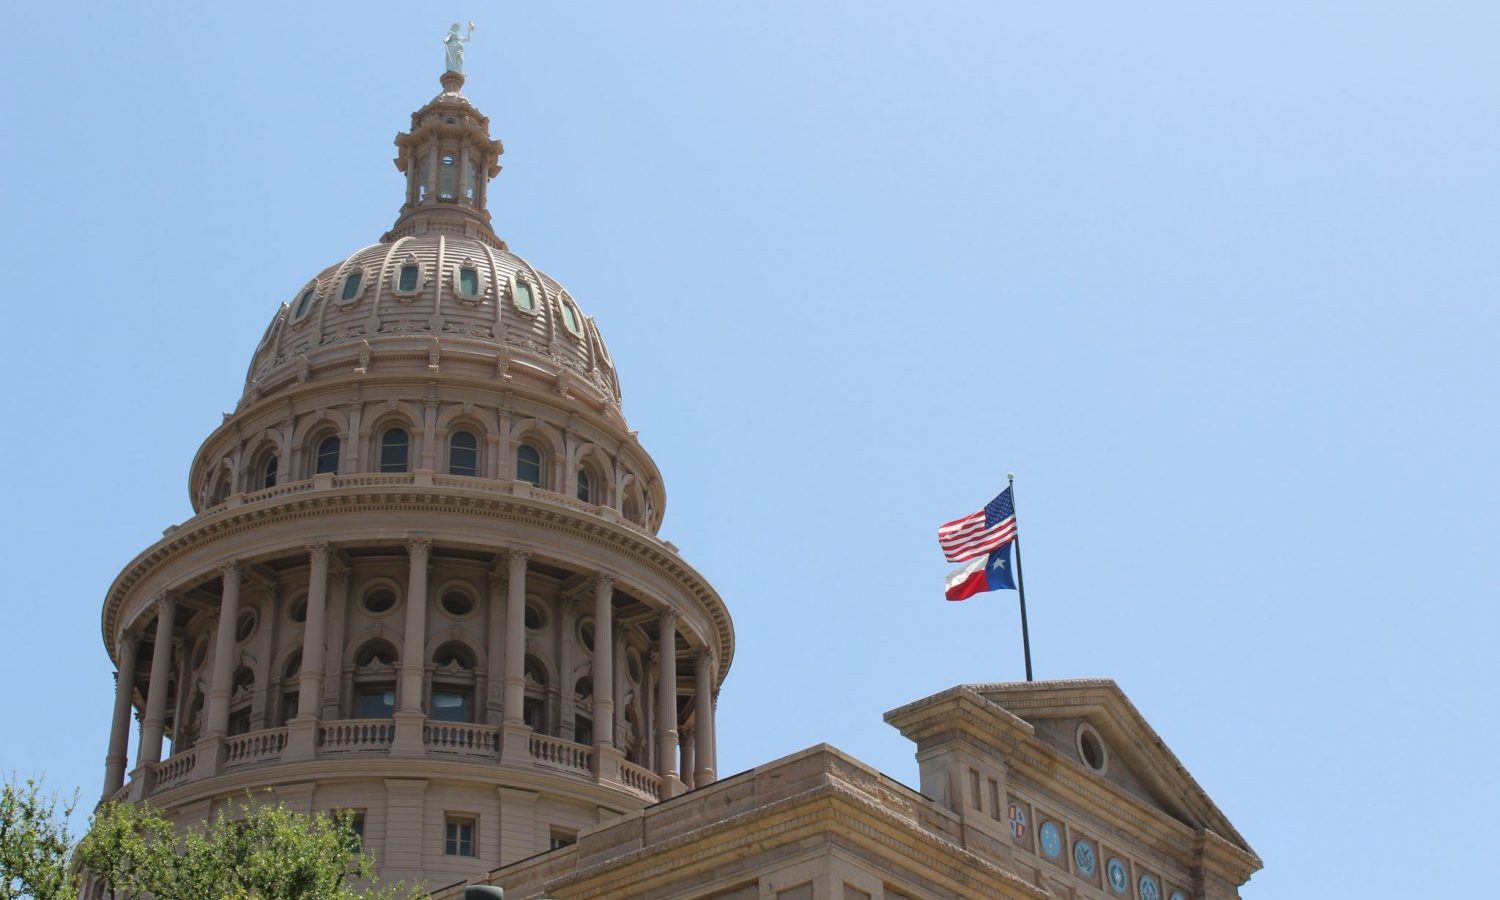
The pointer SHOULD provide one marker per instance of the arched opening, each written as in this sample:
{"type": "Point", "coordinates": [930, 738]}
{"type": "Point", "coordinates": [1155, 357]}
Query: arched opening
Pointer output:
{"type": "Point", "coordinates": [243, 689]}
{"type": "Point", "coordinates": [375, 680]}
{"type": "Point", "coordinates": [583, 723]}
{"type": "Point", "coordinates": [585, 486]}
{"type": "Point", "coordinates": [395, 447]}
{"type": "Point", "coordinates": [463, 453]}
{"type": "Point", "coordinates": [290, 682]}
{"type": "Point", "coordinates": [534, 706]}
{"type": "Point", "coordinates": [529, 464]}
{"type": "Point", "coordinates": [326, 456]}
{"type": "Point", "coordinates": [453, 683]}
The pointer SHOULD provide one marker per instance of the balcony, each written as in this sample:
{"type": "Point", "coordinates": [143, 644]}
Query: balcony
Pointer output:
{"type": "Point", "coordinates": [346, 739]}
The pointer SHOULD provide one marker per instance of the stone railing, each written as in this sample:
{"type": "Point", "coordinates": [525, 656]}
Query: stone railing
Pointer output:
{"type": "Point", "coordinates": [353, 735]}
{"type": "Point", "coordinates": [257, 746]}
{"type": "Point", "coordinates": [642, 781]}
{"type": "Point", "coordinates": [560, 753]}
{"type": "Point", "coordinates": [425, 479]}
{"type": "Point", "coordinates": [172, 771]}
{"type": "Point", "coordinates": [461, 738]}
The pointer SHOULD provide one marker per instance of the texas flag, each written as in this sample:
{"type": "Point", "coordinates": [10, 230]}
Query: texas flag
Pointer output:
{"type": "Point", "coordinates": [987, 573]}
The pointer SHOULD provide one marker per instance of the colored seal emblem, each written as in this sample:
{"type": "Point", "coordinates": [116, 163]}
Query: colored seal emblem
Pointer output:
{"type": "Point", "coordinates": [1148, 888]}
{"type": "Point", "coordinates": [1117, 880]}
{"type": "Point", "coordinates": [1178, 895]}
{"type": "Point", "coordinates": [1051, 840]}
{"type": "Point", "coordinates": [1083, 858]}
{"type": "Point", "coordinates": [1017, 817]}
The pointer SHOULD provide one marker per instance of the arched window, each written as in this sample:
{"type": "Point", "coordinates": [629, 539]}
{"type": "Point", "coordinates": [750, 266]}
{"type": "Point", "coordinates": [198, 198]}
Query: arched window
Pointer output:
{"type": "Point", "coordinates": [290, 701]}
{"type": "Point", "coordinates": [423, 174]}
{"type": "Point", "coordinates": [407, 281]}
{"type": "Point", "coordinates": [468, 281]}
{"type": "Point", "coordinates": [351, 285]}
{"type": "Point", "coordinates": [268, 472]}
{"type": "Point", "coordinates": [374, 680]}
{"type": "Point", "coordinates": [448, 178]}
{"type": "Point", "coordinates": [394, 444]}
{"type": "Point", "coordinates": [471, 178]}
{"type": "Point", "coordinates": [303, 303]}
{"type": "Point", "coordinates": [529, 464]}
{"type": "Point", "coordinates": [453, 683]}
{"type": "Point", "coordinates": [326, 460]}
{"type": "Point", "coordinates": [220, 490]}
{"type": "Point", "coordinates": [463, 453]}
{"type": "Point", "coordinates": [523, 296]}
{"type": "Point", "coordinates": [242, 687]}
{"type": "Point", "coordinates": [585, 486]}
{"type": "Point", "coordinates": [534, 707]}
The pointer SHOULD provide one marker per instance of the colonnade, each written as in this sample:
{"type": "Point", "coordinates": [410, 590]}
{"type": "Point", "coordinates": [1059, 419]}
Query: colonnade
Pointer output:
{"type": "Point", "coordinates": [507, 641]}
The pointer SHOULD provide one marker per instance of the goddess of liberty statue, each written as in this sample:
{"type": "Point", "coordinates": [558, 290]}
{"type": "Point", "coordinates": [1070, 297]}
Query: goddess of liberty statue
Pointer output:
{"type": "Point", "coordinates": [455, 47]}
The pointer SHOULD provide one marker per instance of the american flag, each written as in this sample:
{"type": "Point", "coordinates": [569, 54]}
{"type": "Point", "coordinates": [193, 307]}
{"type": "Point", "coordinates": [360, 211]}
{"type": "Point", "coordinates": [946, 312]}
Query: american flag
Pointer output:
{"type": "Point", "coordinates": [979, 533]}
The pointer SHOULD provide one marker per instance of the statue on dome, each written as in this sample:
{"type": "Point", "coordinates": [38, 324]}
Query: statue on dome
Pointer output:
{"type": "Point", "coordinates": [455, 47]}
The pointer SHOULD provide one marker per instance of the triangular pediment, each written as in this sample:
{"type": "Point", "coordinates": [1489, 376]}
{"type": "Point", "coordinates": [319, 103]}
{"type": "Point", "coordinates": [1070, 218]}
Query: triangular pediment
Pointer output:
{"type": "Point", "coordinates": [1135, 759]}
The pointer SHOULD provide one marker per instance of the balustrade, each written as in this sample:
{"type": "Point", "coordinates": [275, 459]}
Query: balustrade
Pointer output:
{"type": "Point", "coordinates": [558, 752]}
{"type": "Point", "coordinates": [353, 735]}
{"type": "Point", "coordinates": [257, 746]}
{"type": "Point", "coordinates": [174, 770]}
{"type": "Point", "coordinates": [457, 737]}
{"type": "Point", "coordinates": [642, 781]}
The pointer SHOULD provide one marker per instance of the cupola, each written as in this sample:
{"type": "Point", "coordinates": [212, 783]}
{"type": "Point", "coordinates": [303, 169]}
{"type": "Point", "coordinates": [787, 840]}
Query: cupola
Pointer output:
{"type": "Point", "coordinates": [448, 158]}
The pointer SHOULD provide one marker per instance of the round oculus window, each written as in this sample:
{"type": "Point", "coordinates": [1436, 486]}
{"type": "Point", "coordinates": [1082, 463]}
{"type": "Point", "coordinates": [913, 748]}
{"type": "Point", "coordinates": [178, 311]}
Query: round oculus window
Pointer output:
{"type": "Point", "coordinates": [1091, 748]}
{"type": "Point", "coordinates": [380, 600]}
{"type": "Point", "coordinates": [535, 621]}
{"type": "Point", "coordinates": [298, 611]}
{"type": "Point", "coordinates": [245, 626]}
{"type": "Point", "coordinates": [457, 603]}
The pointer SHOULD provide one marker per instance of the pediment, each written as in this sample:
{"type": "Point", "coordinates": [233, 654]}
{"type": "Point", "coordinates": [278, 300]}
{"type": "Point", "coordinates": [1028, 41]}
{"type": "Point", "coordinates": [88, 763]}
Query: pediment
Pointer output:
{"type": "Point", "coordinates": [1135, 759]}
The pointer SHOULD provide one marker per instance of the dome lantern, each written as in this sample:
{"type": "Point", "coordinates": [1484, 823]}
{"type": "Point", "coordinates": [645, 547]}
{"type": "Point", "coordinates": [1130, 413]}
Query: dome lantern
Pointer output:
{"type": "Point", "coordinates": [448, 158]}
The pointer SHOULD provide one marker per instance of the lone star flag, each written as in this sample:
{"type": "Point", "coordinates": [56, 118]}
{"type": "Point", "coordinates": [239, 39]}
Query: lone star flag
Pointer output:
{"type": "Point", "coordinates": [988, 573]}
{"type": "Point", "coordinates": [979, 533]}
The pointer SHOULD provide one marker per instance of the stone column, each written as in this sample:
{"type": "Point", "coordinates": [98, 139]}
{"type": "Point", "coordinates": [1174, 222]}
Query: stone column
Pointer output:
{"type": "Point", "coordinates": [414, 643]}
{"type": "Point", "coordinates": [567, 627]}
{"type": "Point", "coordinates": [686, 751]}
{"type": "Point", "coordinates": [515, 638]}
{"type": "Point", "coordinates": [333, 657]}
{"type": "Point", "coordinates": [604, 661]}
{"type": "Point", "coordinates": [666, 706]}
{"type": "Point", "coordinates": [149, 752]}
{"type": "Point", "coordinates": [310, 682]}
{"type": "Point", "coordinates": [223, 660]}
{"type": "Point", "coordinates": [495, 646]}
{"type": "Point", "coordinates": [119, 729]}
{"type": "Point", "coordinates": [703, 729]}
{"type": "Point", "coordinates": [302, 731]}
{"type": "Point", "coordinates": [409, 718]}
{"type": "Point", "coordinates": [515, 737]}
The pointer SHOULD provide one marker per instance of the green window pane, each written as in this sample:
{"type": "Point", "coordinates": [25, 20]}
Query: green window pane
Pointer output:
{"type": "Point", "coordinates": [468, 281]}
{"type": "Point", "coordinates": [408, 280]}
{"type": "Point", "coordinates": [351, 285]}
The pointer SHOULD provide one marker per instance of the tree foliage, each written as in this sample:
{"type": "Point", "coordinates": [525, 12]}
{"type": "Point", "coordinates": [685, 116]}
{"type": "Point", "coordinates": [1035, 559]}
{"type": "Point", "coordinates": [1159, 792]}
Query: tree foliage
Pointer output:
{"type": "Point", "coordinates": [260, 851]}
{"type": "Point", "coordinates": [35, 845]}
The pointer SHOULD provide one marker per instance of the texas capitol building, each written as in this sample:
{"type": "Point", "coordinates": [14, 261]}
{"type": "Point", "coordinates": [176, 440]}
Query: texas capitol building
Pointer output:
{"type": "Point", "coordinates": [423, 582]}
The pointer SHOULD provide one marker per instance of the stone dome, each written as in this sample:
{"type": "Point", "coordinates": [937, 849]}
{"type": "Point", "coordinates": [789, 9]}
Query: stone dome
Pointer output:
{"type": "Point", "coordinates": [449, 294]}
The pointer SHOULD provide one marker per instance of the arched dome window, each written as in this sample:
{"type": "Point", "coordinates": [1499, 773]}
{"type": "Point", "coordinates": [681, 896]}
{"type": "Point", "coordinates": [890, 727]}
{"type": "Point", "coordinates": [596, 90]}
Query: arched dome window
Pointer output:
{"type": "Point", "coordinates": [585, 486]}
{"type": "Point", "coordinates": [304, 302]}
{"type": "Point", "coordinates": [524, 298]}
{"type": "Point", "coordinates": [395, 445]}
{"type": "Point", "coordinates": [453, 683]}
{"type": "Point", "coordinates": [268, 471]}
{"type": "Point", "coordinates": [529, 464]}
{"type": "Point", "coordinates": [406, 281]}
{"type": "Point", "coordinates": [448, 178]}
{"type": "Point", "coordinates": [463, 453]}
{"type": "Point", "coordinates": [326, 459]}
{"type": "Point", "coordinates": [351, 285]}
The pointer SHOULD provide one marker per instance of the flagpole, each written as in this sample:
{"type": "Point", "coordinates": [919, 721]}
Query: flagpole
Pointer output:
{"type": "Point", "coordinates": [1020, 579]}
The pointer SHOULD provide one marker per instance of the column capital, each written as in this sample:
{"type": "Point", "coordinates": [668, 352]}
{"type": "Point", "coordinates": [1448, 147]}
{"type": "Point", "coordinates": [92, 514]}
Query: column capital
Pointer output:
{"type": "Point", "coordinates": [164, 603]}
{"type": "Point", "coordinates": [318, 548]}
{"type": "Point", "coordinates": [420, 546]}
{"type": "Point", "coordinates": [230, 568]}
{"type": "Point", "coordinates": [705, 657]}
{"type": "Point", "coordinates": [604, 582]}
{"type": "Point", "coordinates": [517, 558]}
{"type": "Point", "coordinates": [668, 618]}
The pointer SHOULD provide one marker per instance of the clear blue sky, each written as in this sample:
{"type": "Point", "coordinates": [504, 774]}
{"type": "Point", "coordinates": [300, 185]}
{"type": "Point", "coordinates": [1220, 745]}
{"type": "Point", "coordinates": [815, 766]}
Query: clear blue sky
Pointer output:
{"type": "Point", "coordinates": [1218, 281]}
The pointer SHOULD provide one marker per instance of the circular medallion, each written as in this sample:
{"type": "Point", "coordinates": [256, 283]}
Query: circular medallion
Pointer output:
{"type": "Point", "coordinates": [1148, 888]}
{"type": "Point", "coordinates": [1083, 858]}
{"type": "Point", "coordinates": [1051, 840]}
{"type": "Point", "coordinates": [1178, 895]}
{"type": "Point", "coordinates": [1017, 817]}
{"type": "Point", "coordinates": [1116, 872]}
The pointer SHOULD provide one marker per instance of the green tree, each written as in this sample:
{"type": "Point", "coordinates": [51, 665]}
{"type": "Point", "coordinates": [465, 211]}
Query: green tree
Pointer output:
{"type": "Point", "coordinates": [267, 852]}
{"type": "Point", "coordinates": [35, 846]}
